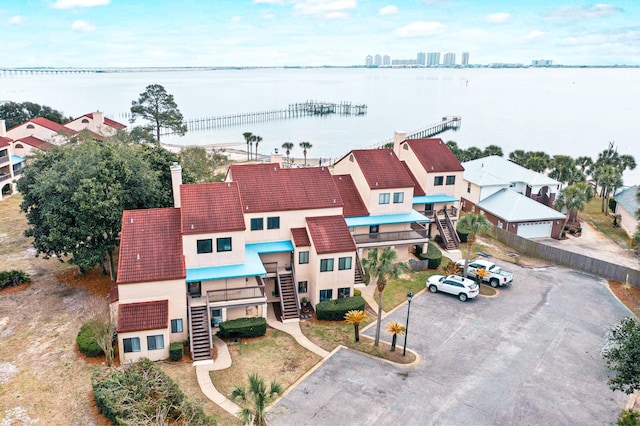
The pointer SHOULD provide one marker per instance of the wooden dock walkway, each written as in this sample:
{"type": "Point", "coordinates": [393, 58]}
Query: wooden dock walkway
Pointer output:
{"type": "Point", "coordinates": [447, 123]}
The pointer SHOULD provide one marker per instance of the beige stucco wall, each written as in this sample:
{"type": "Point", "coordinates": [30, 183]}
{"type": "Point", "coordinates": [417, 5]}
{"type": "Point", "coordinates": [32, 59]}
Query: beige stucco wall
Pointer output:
{"type": "Point", "coordinates": [394, 227]}
{"type": "Point", "coordinates": [375, 208]}
{"type": "Point", "coordinates": [38, 131]}
{"type": "Point", "coordinates": [24, 151]}
{"type": "Point", "coordinates": [93, 124]}
{"type": "Point", "coordinates": [194, 260]}
{"type": "Point", "coordinates": [628, 221]}
{"type": "Point", "coordinates": [288, 220]}
{"type": "Point", "coordinates": [154, 355]}
{"type": "Point", "coordinates": [331, 279]}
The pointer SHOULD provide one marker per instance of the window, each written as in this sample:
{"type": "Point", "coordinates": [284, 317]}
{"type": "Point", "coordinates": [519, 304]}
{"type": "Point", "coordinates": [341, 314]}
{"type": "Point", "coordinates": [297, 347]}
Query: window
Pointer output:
{"type": "Point", "coordinates": [437, 181]}
{"type": "Point", "coordinates": [384, 198]}
{"type": "Point", "coordinates": [374, 229]}
{"type": "Point", "coordinates": [85, 121]}
{"type": "Point", "coordinates": [195, 289]}
{"type": "Point", "coordinates": [398, 197]}
{"type": "Point", "coordinates": [205, 246]}
{"type": "Point", "coordinates": [344, 292]}
{"type": "Point", "coordinates": [468, 188]}
{"type": "Point", "coordinates": [216, 317]}
{"type": "Point", "coordinates": [30, 126]}
{"type": "Point", "coordinates": [224, 244]}
{"type": "Point", "coordinates": [18, 146]}
{"type": "Point", "coordinates": [302, 286]}
{"type": "Point", "coordinates": [273, 222]}
{"type": "Point", "coordinates": [131, 345]}
{"type": "Point", "coordinates": [257, 224]}
{"type": "Point", "coordinates": [303, 257]}
{"type": "Point", "coordinates": [155, 342]}
{"type": "Point", "coordinates": [344, 263]}
{"type": "Point", "coordinates": [451, 180]}
{"type": "Point", "coordinates": [176, 325]}
{"type": "Point", "coordinates": [326, 265]}
{"type": "Point", "coordinates": [326, 295]}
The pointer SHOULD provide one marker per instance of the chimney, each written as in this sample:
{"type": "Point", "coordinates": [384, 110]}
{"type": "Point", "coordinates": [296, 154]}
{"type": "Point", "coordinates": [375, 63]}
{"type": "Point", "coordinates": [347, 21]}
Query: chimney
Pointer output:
{"type": "Point", "coordinates": [398, 138]}
{"type": "Point", "coordinates": [98, 119]}
{"type": "Point", "coordinates": [3, 129]}
{"type": "Point", "coordinates": [176, 181]}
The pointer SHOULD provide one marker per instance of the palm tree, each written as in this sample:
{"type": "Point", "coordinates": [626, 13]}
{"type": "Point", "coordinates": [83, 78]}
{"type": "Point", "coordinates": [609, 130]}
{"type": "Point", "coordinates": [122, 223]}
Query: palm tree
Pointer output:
{"type": "Point", "coordinates": [451, 268]}
{"type": "Point", "coordinates": [248, 138]}
{"type": "Point", "coordinates": [305, 146]}
{"type": "Point", "coordinates": [474, 223]}
{"type": "Point", "coordinates": [573, 198]}
{"type": "Point", "coordinates": [481, 274]}
{"type": "Point", "coordinates": [395, 328]}
{"type": "Point", "coordinates": [380, 267]}
{"type": "Point", "coordinates": [257, 140]}
{"type": "Point", "coordinates": [355, 317]}
{"type": "Point", "coordinates": [563, 168]}
{"type": "Point", "coordinates": [256, 395]}
{"type": "Point", "coordinates": [288, 146]}
{"type": "Point", "coordinates": [492, 150]}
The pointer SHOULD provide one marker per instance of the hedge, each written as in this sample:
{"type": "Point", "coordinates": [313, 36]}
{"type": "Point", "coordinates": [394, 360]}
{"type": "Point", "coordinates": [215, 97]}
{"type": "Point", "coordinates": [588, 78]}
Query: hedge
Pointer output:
{"type": "Point", "coordinates": [335, 310]}
{"type": "Point", "coordinates": [463, 233]}
{"type": "Point", "coordinates": [243, 327]}
{"type": "Point", "coordinates": [433, 255]}
{"type": "Point", "coordinates": [176, 351]}
{"type": "Point", "coordinates": [86, 341]}
{"type": "Point", "coordinates": [13, 278]}
{"type": "Point", "coordinates": [357, 292]}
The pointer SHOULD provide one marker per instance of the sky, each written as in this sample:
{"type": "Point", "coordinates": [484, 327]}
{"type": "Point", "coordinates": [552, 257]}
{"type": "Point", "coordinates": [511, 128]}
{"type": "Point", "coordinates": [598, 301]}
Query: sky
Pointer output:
{"type": "Point", "coordinates": [221, 33]}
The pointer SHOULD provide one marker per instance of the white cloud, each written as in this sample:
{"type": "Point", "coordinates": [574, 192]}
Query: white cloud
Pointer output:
{"type": "Point", "coordinates": [420, 28]}
{"type": "Point", "coordinates": [628, 37]}
{"type": "Point", "coordinates": [278, 2]}
{"type": "Point", "coordinates": [69, 4]}
{"type": "Point", "coordinates": [535, 35]}
{"type": "Point", "coordinates": [330, 9]}
{"type": "Point", "coordinates": [578, 13]}
{"type": "Point", "coordinates": [388, 10]}
{"type": "Point", "coordinates": [15, 20]}
{"type": "Point", "coordinates": [82, 26]}
{"type": "Point", "coordinates": [498, 18]}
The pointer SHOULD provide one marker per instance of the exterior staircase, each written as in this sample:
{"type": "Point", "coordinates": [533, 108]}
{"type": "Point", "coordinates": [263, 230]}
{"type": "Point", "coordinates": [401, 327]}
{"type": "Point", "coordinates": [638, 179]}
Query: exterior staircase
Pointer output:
{"type": "Point", "coordinates": [199, 334]}
{"type": "Point", "coordinates": [288, 297]}
{"type": "Point", "coordinates": [359, 273]}
{"type": "Point", "coordinates": [448, 234]}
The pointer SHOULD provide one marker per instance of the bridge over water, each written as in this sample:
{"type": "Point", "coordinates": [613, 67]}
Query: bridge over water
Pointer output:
{"type": "Point", "coordinates": [447, 123]}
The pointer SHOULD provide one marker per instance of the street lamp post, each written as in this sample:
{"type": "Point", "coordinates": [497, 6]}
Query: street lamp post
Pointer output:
{"type": "Point", "coordinates": [406, 329]}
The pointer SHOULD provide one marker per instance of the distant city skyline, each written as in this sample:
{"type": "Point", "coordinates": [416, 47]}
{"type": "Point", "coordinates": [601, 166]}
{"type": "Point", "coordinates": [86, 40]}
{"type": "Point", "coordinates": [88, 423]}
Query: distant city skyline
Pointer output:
{"type": "Point", "coordinates": [118, 33]}
{"type": "Point", "coordinates": [422, 59]}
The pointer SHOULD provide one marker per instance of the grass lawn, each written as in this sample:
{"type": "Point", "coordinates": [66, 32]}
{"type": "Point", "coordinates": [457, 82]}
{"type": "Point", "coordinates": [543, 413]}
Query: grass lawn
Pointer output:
{"type": "Point", "coordinates": [275, 356]}
{"type": "Point", "coordinates": [396, 290]}
{"type": "Point", "coordinates": [593, 214]}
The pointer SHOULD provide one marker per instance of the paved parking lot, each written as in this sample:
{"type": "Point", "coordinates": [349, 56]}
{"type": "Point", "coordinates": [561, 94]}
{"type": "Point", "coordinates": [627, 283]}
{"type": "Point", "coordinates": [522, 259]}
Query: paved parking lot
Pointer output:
{"type": "Point", "coordinates": [529, 356]}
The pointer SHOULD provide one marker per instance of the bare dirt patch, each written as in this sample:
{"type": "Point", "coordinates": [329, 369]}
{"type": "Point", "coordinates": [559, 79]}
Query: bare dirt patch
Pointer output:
{"type": "Point", "coordinates": [628, 295]}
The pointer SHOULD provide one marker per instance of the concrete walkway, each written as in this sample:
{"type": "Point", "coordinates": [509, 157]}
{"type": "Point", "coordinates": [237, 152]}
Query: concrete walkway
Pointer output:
{"type": "Point", "coordinates": [204, 380]}
{"type": "Point", "coordinates": [293, 328]}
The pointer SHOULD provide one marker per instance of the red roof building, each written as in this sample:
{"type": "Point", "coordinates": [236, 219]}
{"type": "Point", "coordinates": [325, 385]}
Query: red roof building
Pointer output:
{"type": "Point", "coordinates": [211, 208]}
{"type": "Point", "coordinates": [353, 204]}
{"type": "Point", "coordinates": [380, 167]}
{"type": "Point", "coordinates": [330, 234]}
{"type": "Point", "coordinates": [143, 316]}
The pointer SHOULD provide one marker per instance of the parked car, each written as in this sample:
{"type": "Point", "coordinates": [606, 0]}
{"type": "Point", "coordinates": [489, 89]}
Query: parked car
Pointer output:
{"type": "Point", "coordinates": [459, 286]}
{"type": "Point", "coordinates": [496, 277]}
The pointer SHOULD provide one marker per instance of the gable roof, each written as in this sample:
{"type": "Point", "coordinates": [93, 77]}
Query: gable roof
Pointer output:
{"type": "Point", "coordinates": [210, 208]}
{"type": "Point", "coordinates": [434, 155]}
{"type": "Point", "coordinates": [150, 246]}
{"type": "Point", "coordinates": [417, 188]}
{"type": "Point", "coordinates": [353, 204]}
{"type": "Point", "coordinates": [512, 206]}
{"type": "Point", "coordinates": [300, 237]}
{"type": "Point", "coordinates": [143, 316]}
{"type": "Point", "coordinates": [109, 122]}
{"type": "Point", "coordinates": [51, 125]}
{"type": "Point", "coordinates": [627, 199]}
{"type": "Point", "coordinates": [381, 168]}
{"type": "Point", "coordinates": [268, 188]}
{"type": "Point", "coordinates": [35, 142]}
{"type": "Point", "coordinates": [493, 169]}
{"type": "Point", "coordinates": [330, 234]}
{"type": "Point", "coordinates": [5, 141]}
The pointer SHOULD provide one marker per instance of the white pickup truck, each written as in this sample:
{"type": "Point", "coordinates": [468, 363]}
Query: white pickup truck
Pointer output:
{"type": "Point", "coordinates": [496, 277]}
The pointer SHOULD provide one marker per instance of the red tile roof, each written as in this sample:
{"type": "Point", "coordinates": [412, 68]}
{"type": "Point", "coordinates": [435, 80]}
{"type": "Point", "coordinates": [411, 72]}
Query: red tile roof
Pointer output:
{"type": "Point", "coordinates": [150, 246]}
{"type": "Point", "coordinates": [382, 168]}
{"type": "Point", "coordinates": [268, 188]}
{"type": "Point", "coordinates": [434, 155]}
{"type": "Point", "coordinates": [353, 204]}
{"type": "Point", "coordinates": [109, 122]}
{"type": "Point", "coordinates": [330, 234]}
{"type": "Point", "coordinates": [211, 207]}
{"type": "Point", "coordinates": [5, 142]}
{"type": "Point", "coordinates": [417, 189]}
{"type": "Point", "coordinates": [35, 142]}
{"type": "Point", "coordinates": [143, 316]}
{"type": "Point", "coordinates": [52, 125]}
{"type": "Point", "coordinates": [300, 237]}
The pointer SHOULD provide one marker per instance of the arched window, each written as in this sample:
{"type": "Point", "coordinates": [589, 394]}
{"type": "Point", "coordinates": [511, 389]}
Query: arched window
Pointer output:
{"type": "Point", "coordinates": [18, 146]}
{"type": "Point", "coordinates": [85, 121]}
{"type": "Point", "coordinates": [30, 126]}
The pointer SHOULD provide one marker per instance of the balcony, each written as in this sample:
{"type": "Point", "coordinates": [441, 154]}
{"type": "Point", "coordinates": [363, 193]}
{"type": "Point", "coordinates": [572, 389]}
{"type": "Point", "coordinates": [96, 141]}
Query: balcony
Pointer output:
{"type": "Point", "coordinates": [414, 236]}
{"type": "Point", "coordinates": [4, 177]}
{"type": "Point", "coordinates": [235, 294]}
{"type": "Point", "coordinates": [4, 159]}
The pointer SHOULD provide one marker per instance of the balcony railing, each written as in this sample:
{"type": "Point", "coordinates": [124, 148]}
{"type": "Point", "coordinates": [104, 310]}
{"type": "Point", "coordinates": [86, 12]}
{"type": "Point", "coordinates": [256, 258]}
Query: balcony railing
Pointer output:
{"type": "Point", "coordinates": [4, 177]}
{"type": "Point", "coordinates": [237, 293]}
{"type": "Point", "coordinates": [4, 159]}
{"type": "Point", "coordinates": [383, 237]}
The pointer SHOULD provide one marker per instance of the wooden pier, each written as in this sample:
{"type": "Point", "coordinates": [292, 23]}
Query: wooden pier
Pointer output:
{"type": "Point", "coordinates": [447, 123]}
{"type": "Point", "coordinates": [302, 109]}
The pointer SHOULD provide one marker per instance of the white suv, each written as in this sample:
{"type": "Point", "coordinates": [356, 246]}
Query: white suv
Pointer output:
{"type": "Point", "coordinates": [462, 287]}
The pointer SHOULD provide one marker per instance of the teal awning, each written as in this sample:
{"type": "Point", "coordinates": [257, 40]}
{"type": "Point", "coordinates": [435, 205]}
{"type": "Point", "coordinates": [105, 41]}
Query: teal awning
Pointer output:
{"type": "Point", "coordinates": [434, 199]}
{"type": "Point", "coordinates": [16, 159]}
{"type": "Point", "coordinates": [271, 247]}
{"type": "Point", "coordinates": [386, 219]}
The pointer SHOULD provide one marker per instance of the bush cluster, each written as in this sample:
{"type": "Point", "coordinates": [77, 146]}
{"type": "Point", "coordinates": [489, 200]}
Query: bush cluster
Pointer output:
{"type": "Point", "coordinates": [433, 255]}
{"type": "Point", "coordinates": [143, 394]}
{"type": "Point", "coordinates": [176, 351]}
{"type": "Point", "coordinates": [13, 278]}
{"type": "Point", "coordinates": [335, 310]}
{"type": "Point", "coordinates": [87, 343]}
{"type": "Point", "coordinates": [463, 233]}
{"type": "Point", "coordinates": [357, 292]}
{"type": "Point", "coordinates": [243, 327]}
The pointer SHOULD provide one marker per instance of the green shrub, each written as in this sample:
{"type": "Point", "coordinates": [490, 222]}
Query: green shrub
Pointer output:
{"type": "Point", "coordinates": [463, 233]}
{"type": "Point", "coordinates": [629, 418]}
{"type": "Point", "coordinates": [176, 351]}
{"type": "Point", "coordinates": [433, 255]}
{"type": "Point", "coordinates": [335, 310]}
{"type": "Point", "coordinates": [13, 278]}
{"type": "Point", "coordinates": [243, 327]}
{"type": "Point", "coordinates": [357, 292]}
{"type": "Point", "coordinates": [87, 343]}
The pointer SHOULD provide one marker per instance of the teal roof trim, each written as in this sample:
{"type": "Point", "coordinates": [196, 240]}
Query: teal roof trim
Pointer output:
{"type": "Point", "coordinates": [16, 159]}
{"type": "Point", "coordinates": [435, 199]}
{"type": "Point", "coordinates": [271, 247]}
{"type": "Point", "coordinates": [252, 267]}
{"type": "Point", "coordinates": [386, 219]}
